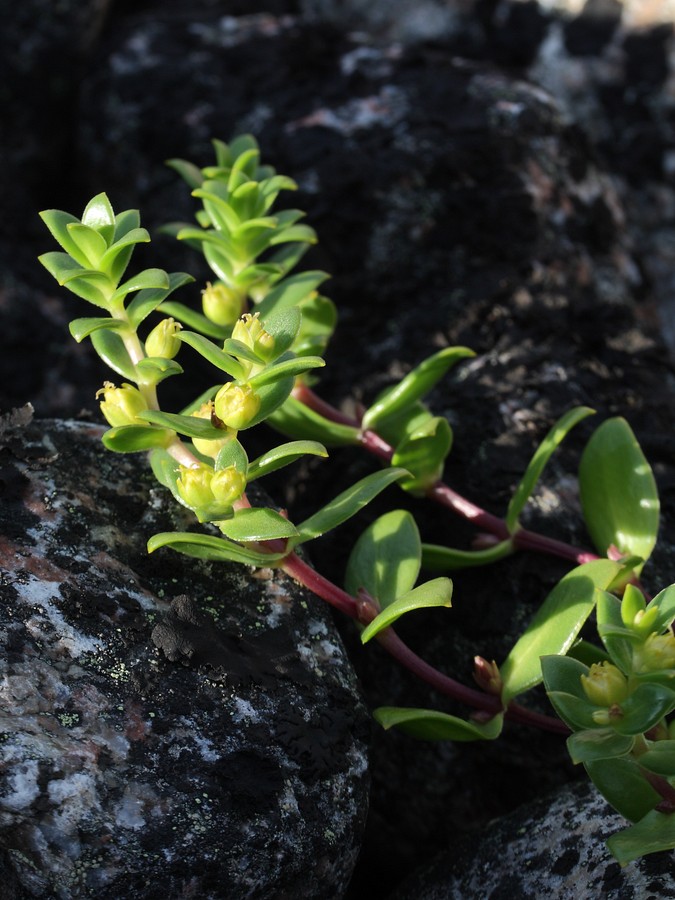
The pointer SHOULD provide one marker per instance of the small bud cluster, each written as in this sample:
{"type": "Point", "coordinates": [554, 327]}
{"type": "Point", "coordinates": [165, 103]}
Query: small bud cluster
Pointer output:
{"type": "Point", "coordinates": [210, 494]}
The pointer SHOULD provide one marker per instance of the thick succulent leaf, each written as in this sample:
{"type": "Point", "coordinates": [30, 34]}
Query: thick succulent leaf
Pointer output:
{"type": "Point", "coordinates": [192, 426]}
{"type": "Point", "coordinates": [414, 386]}
{"type": "Point", "coordinates": [436, 558]}
{"type": "Point", "coordinates": [82, 328]}
{"type": "Point", "coordinates": [294, 419]}
{"type": "Point", "coordinates": [258, 525]}
{"type": "Point", "coordinates": [538, 462]}
{"type": "Point", "coordinates": [206, 546]}
{"type": "Point", "coordinates": [623, 786]}
{"type": "Point", "coordinates": [155, 369]}
{"type": "Point", "coordinates": [147, 301]}
{"type": "Point", "coordinates": [556, 624]}
{"type": "Point", "coordinates": [660, 758]}
{"type": "Point", "coordinates": [149, 278]}
{"type": "Point", "coordinates": [283, 455]}
{"type": "Point", "coordinates": [598, 743]}
{"type": "Point", "coordinates": [644, 708]}
{"type": "Point", "coordinates": [286, 368]}
{"type": "Point", "coordinates": [57, 221]}
{"type": "Point", "coordinates": [653, 833]}
{"type": "Point", "coordinates": [385, 560]}
{"type": "Point", "coordinates": [132, 438]}
{"type": "Point", "coordinates": [618, 491]}
{"type": "Point", "coordinates": [423, 454]}
{"type": "Point", "coordinates": [192, 319]}
{"type": "Point", "coordinates": [430, 725]}
{"type": "Point", "coordinates": [187, 171]}
{"type": "Point", "coordinates": [232, 454]}
{"type": "Point", "coordinates": [430, 594]}
{"type": "Point", "coordinates": [284, 326]}
{"type": "Point", "coordinates": [291, 291]}
{"type": "Point", "coordinates": [90, 242]}
{"type": "Point", "coordinates": [213, 354]}
{"type": "Point", "coordinates": [98, 214]}
{"type": "Point", "coordinates": [348, 503]}
{"type": "Point", "coordinates": [110, 347]}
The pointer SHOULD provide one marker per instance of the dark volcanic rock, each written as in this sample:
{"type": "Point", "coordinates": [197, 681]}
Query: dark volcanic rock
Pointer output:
{"type": "Point", "coordinates": [211, 745]}
{"type": "Point", "coordinates": [551, 848]}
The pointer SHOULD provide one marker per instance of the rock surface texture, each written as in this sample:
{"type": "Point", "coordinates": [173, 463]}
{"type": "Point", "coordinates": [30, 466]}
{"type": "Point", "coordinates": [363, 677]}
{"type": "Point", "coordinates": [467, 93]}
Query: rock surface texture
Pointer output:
{"type": "Point", "coordinates": [169, 728]}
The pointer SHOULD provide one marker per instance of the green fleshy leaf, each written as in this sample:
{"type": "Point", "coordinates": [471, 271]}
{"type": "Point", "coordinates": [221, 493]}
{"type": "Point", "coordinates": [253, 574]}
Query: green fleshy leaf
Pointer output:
{"type": "Point", "coordinates": [82, 328]}
{"type": "Point", "coordinates": [126, 221]}
{"type": "Point", "coordinates": [147, 301]}
{"type": "Point", "coordinates": [199, 401]}
{"type": "Point", "coordinates": [598, 743]}
{"type": "Point", "coordinates": [187, 171]}
{"type": "Point", "coordinates": [644, 708]}
{"type": "Point", "coordinates": [291, 291]}
{"type": "Point", "coordinates": [398, 427]}
{"type": "Point", "coordinates": [436, 558]}
{"type": "Point", "coordinates": [206, 546]}
{"type": "Point", "coordinates": [116, 257]}
{"type": "Point", "coordinates": [423, 454]}
{"type": "Point", "coordinates": [575, 712]}
{"type": "Point", "coordinates": [665, 603]}
{"type": "Point", "coordinates": [241, 351]}
{"type": "Point", "coordinates": [414, 386]}
{"type": "Point", "coordinates": [194, 320]}
{"type": "Point", "coordinates": [618, 491]}
{"type": "Point", "coordinates": [283, 455]}
{"type": "Point", "coordinates": [232, 454]}
{"type": "Point", "coordinates": [297, 420]}
{"type": "Point", "coordinates": [303, 233]}
{"type": "Point", "coordinates": [347, 504]}
{"type": "Point", "coordinates": [110, 347]}
{"type": "Point", "coordinates": [60, 266]}
{"type": "Point", "coordinates": [272, 396]}
{"type": "Point", "coordinates": [98, 214]}
{"type": "Point", "coordinates": [146, 280]}
{"type": "Point", "coordinates": [213, 354]}
{"type": "Point", "coordinates": [286, 368]}
{"type": "Point", "coordinates": [133, 438]}
{"type": "Point", "coordinates": [653, 833]}
{"type": "Point", "coordinates": [430, 725]}
{"type": "Point", "coordinates": [385, 560]}
{"type": "Point", "coordinates": [155, 369]}
{"type": "Point", "coordinates": [587, 653]}
{"type": "Point", "coordinates": [617, 639]}
{"type": "Point", "coordinates": [623, 786]}
{"type": "Point", "coordinates": [319, 318]}
{"type": "Point", "coordinates": [258, 525]}
{"type": "Point", "coordinates": [555, 625]}
{"type": "Point", "coordinates": [90, 242]}
{"type": "Point", "coordinates": [222, 215]}
{"type": "Point", "coordinates": [432, 593]}
{"type": "Point", "coordinates": [660, 758]}
{"type": "Point", "coordinates": [538, 462]}
{"type": "Point", "coordinates": [192, 426]}
{"type": "Point", "coordinates": [57, 221]}
{"type": "Point", "coordinates": [94, 287]}
{"type": "Point", "coordinates": [284, 326]}
{"type": "Point", "coordinates": [166, 470]}
{"type": "Point", "coordinates": [562, 674]}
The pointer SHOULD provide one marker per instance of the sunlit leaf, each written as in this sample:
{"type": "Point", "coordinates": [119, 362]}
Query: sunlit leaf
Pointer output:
{"type": "Point", "coordinates": [283, 455]}
{"type": "Point", "coordinates": [423, 454]}
{"type": "Point", "coordinates": [290, 291]}
{"type": "Point", "coordinates": [155, 369]}
{"type": "Point", "coordinates": [98, 214]}
{"type": "Point", "coordinates": [297, 420]}
{"type": "Point", "coordinates": [430, 594]}
{"type": "Point", "coordinates": [287, 368]}
{"type": "Point", "coordinates": [192, 426]}
{"type": "Point", "coordinates": [385, 561]}
{"type": "Point", "coordinates": [430, 725]}
{"type": "Point", "coordinates": [598, 743]}
{"type": "Point", "coordinates": [538, 462]}
{"type": "Point", "coordinates": [146, 301]}
{"type": "Point", "coordinates": [110, 347]}
{"type": "Point", "coordinates": [82, 328]}
{"type": "Point", "coordinates": [446, 559]}
{"type": "Point", "coordinates": [258, 525]}
{"type": "Point", "coordinates": [132, 438]}
{"type": "Point", "coordinates": [213, 354]}
{"type": "Point", "coordinates": [192, 319]}
{"type": "Point", "coordinates": [206, 546]}
{"type": "Point", "coordinates": [618, 492]}
{"type": "Point", "coordinates": [149, 278]}
{"type": "Point", "coordinates": [555, 625]}
{"type": "Point", "coordinates": [232, 453]}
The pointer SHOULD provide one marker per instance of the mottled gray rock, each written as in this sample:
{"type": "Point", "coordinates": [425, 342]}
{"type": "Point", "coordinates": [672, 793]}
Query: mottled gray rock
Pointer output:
{"type": "Point", "coordinates": [169, 728]}
{"type": "Point", "coordinates": [552, 848]}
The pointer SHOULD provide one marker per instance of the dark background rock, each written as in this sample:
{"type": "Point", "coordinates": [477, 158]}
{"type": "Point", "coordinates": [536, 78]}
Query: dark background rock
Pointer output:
{"type": "Point", "coordinates": [212, 746]}
{"type": "Point", "coordinates": [455, 203]}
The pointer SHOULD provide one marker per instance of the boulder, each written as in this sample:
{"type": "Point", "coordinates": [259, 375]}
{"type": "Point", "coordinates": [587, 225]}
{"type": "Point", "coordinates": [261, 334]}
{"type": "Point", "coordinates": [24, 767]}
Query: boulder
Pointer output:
{"type": "Point", "coordinates": [169, 727]}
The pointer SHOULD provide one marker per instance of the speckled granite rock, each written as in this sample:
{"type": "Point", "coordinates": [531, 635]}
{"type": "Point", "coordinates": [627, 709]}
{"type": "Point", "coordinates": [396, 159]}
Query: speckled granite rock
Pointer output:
{"type": "Point", "coordinates": [552, 848]}
{"type": "Point", "coordinates": [169, 728]}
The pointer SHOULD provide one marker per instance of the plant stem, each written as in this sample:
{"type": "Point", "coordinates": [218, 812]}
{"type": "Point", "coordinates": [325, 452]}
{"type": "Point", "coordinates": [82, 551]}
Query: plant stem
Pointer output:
{"type": "Point", "coordinates": [663, 789]}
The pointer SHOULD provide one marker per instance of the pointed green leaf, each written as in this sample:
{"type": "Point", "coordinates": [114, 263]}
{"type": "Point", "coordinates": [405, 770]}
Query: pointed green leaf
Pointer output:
{"type": "Point", "coordinates": [653, 833]}
{"type": "Point", "coordinates": [192, 319]}
{"type": "Point", "coordinates": [297, 420]}
{"type": "Point", "coordinates": [286, 368]}
{"type": "Point", "coordinates": [644, 708]}
{"type": "Point", "coordinates": [90, 242]}
{"type": "Point", "coordinates": [575, 712]}
{"type": "Point", "coordinates": [133, 438]}
{"type": "Point", "coordinates": [272, 396]}
{"type": "Point", "coordinates": [82, 328]}
{"type": "Point", "coordinates": [348, 503]}
{"type": "Point", "coordinates": [206, 546]}
{"type": "Point", "coordinates": [432, 593]}
{"type": "Point", "coordinates": [598, 743]}
{"type": "Point", "coordinates": [618, 640]}
{"type": "Point", "coordinates": [60, 266]}
{"type": "Point", "coordinates": [385, 560]}
{"type": "Point", "coordinates": [219, 263]}
{"type": "Point", "coordinates": [150, 278]}
{"type": "Point", "coordinates": [95, 287]}
{"type": "Point", "coordinates": [57, 222]}
{"type": "Point", "coordinates": [110, 347]}
{"type": "Point", "coordinates": [618, 492]}
{"type": "Point", "coordinates": [241, 351]}
{"type": "Point", "coordinates": [660, 758]}
{"type": "Point", "coordinates": [154, 369]}
{"type": "Point", "coordinates": [130, 238]}
{"type": "Point", "coordinates": [555, 625]}
{"type": "Point", "coordinates": [232, 454]}
{"type": "Point", "coordinates": [187, 171]}
{"type": "Point", "coordinates": [258, 525]}
{"type": "Point", "coordinates": [284, 326]}
{"type": "Point", "coordinates": [430, 725]}
{"type": "Point", "coordinates": [414, 386]}
{"type": "Point", "coordinates": [303, 233]}
{"type": "Point", "coordinates": [445, 559]}
{"type": "Point", "coordinates": [213, 354]}
{"type": "Point", "coordinates": [147, 301]}
{"type": "Point", "coordinates": [538, 462]}
{"type": "Point", "coordinates": [562, 674]}
{"type": "Point", "coordinates": [291, 291]}
{"type": "Point", "coordinates": [423, 454]}
{"type": "Point", "coordinates": [192, 426]}
{"type": "Point", "coordinates": [98, 214]}
{"type": "Point", "coordinates": [126, 221]}
{"type": "Point", "coordinates": [283, 455]}
{"type": "Point", "coordinates": [319, 318]}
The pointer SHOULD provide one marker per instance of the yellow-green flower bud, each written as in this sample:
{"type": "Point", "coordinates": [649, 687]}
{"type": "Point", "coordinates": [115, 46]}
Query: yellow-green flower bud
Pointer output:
{"type": "Point", "coordinates": [228, 485]}
{"type": "Point", "coordinates": [250, 331]}
{"type": "Point", "coordinates": [121, 405]}
{"type": "Point", "coordinates": [222, 304]}
{"type": "Point", "coordinates": [644, 620]}
{"type": "Point", "coordinates": [163, 340]}
{"type": "Point", "coordinates": [657, 653]}
{"type": "Point", "coordinates": [210, 447]}
{"type": "Point", "coordinates": [236, 404]}
{"type": "Point", "coordinates": [194, 485]}
{"type": "Point", "coordinates": [605, 685]}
